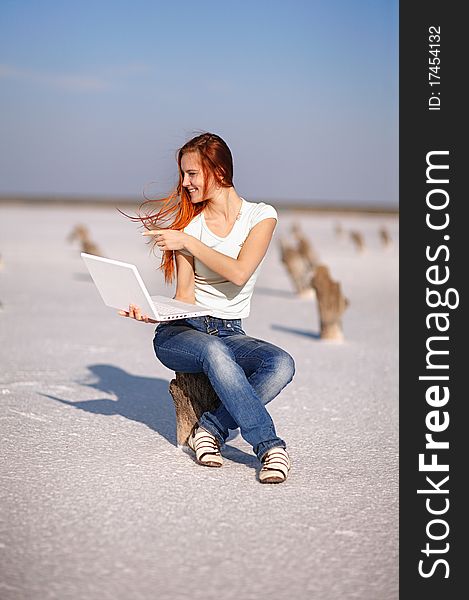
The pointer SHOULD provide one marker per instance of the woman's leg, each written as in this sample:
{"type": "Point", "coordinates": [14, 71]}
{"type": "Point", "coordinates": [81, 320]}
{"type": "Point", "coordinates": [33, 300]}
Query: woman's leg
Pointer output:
{"type": "Point", "coordinates": [182, 348]}
{"type": "Point", "coordinates": [267, 367]}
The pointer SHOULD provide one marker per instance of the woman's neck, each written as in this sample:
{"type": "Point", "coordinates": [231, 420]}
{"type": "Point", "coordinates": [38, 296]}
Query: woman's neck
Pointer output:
{"type": "Point", "coordinates": [224, 206]}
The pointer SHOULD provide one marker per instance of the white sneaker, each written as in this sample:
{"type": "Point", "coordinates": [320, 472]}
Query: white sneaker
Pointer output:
{"type": "Point", "coordinates": [206, 448]}
{"type": "Point", "coordinates": [275, 466]}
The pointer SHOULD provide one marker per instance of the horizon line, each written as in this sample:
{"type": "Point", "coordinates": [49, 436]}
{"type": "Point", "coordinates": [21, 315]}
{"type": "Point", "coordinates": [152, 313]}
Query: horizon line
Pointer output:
{"type": "Point", "coordinates": [97, 200]}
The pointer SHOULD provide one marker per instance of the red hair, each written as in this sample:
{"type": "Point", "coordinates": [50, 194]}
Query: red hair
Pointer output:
{"type": "Point", "coordinates": [176, 210]}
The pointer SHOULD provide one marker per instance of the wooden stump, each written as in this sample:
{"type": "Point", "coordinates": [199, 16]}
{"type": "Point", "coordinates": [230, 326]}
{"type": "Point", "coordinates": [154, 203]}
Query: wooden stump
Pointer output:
{"type": "Point", "coordinates": [305, 249]}
{"type": "Point", "coordinates": [192, 395]}
{"type": "Point", "coordinates": [295, 265]}
{"type": "Point", "coordinates": [385, 237]}
{"type": "Point", "coordinates": [78, 232]}
{"type": "Point", "coordinates": [81, 233]}
{"type": "Point", "coordinates": [90, 247]}
{"type": "Point", "coordinates": [331, 304]}
{"type": "Point", "coordinates": [358, 239]}
{"type": "Point", "coordinates": [339, 230]}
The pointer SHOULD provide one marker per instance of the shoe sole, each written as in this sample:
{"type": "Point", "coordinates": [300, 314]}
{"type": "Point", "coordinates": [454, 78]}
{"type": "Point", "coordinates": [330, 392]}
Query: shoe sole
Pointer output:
{"type": "Point", "coordinates": [208, 463]}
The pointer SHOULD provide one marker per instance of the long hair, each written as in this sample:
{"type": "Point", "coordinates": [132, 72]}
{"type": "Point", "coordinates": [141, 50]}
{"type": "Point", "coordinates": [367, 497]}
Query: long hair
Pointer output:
{"type": "Point", "coordinates": [176, 210]}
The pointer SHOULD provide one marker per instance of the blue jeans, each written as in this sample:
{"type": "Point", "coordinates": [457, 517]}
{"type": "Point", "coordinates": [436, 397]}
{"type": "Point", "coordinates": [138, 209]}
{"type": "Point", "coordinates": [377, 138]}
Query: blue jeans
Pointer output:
{"type": "Point", "coordinates": [246, 373]}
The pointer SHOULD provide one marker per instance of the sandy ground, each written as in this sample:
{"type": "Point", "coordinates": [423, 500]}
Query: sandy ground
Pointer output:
{"type": "Point", "coordinates": [97, 500]}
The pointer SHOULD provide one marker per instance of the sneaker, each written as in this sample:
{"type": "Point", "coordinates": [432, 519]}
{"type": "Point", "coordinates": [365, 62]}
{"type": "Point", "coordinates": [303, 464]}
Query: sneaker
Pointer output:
{"type": "Point", "coordinates": [275, 466]}
{"type": "Point", "coordinates": [206, 447]}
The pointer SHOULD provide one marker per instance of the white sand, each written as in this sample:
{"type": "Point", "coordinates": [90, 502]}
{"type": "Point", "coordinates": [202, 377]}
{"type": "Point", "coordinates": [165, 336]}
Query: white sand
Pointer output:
{"type": "Point", "coordinates": [97, 501]}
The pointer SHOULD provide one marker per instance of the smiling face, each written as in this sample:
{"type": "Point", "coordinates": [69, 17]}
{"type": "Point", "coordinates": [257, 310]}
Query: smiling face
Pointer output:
{"type": "Point", "coordinates": [194, 179]}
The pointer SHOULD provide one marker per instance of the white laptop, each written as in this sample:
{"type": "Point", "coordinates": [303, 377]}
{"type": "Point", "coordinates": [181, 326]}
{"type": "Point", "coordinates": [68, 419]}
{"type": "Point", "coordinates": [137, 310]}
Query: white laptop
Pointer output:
{"type": "Point", "coordinates": [120, 284]}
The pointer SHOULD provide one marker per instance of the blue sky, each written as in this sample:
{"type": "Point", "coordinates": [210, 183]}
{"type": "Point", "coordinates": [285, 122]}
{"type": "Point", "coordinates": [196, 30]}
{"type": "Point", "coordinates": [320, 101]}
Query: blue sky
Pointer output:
{"type": "Point", "coordinates": [96, 97]}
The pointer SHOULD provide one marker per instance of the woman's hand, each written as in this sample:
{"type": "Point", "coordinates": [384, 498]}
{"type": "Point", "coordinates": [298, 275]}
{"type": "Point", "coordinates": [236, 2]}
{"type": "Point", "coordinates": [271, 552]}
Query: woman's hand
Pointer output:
{"type": "Point", "coordinates": [168, 239]}
{"type": "Point", "coordinates": [134, 312]}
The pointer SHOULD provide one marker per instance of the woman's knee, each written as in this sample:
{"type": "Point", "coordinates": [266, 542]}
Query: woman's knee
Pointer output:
{"type": "Point", "coordinates": [278, 359]}
{"type": "Point", "coordinates": [276, 373]}
{"type": "Point", "coordinates": [284, 366]}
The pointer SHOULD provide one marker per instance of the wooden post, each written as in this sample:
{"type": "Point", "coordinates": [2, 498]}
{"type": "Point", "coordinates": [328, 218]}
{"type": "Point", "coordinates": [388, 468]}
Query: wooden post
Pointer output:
{"type": "Point", "coordinates": [81, 233]}
{"type": "Point", "coordinates": [90, 247]}
{"type": "Point", "coordinates": [385, 237]}
{"type": "Point", "coordinates": [77, 233]}
{"type": "Point", "coordinates": [305, 249]}
{"type": "Point", "coordinates": [331, 304]}
{"type": "Point", "coordinates": [192, 395]}
{"type": "Point", "coordinates": [339, 230]}
{"type": "Point", "coordinates": [358, 239]}
{"type": "Point", "coordinates": [295, 266]}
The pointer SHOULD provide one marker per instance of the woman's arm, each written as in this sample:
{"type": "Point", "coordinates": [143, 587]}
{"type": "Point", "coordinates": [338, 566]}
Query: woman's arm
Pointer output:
{"type": "Point", "coordinates": [237, 270]}
{"type": "Point", "coordinates": [185, 278]}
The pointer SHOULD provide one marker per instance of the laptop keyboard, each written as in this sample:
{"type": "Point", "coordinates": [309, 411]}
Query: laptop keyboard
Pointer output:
{"type": "Point", "coordinates": [164, 310]}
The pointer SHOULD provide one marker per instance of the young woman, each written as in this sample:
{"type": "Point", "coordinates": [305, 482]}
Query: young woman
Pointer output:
{"type": "Point", "coordinates": [216, 241]}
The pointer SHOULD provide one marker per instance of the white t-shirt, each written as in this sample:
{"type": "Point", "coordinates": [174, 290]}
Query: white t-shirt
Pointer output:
{"type": "Point", "coordinates": [223, 298]}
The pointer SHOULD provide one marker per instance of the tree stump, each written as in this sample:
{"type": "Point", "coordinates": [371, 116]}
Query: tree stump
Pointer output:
{"type": "Point", "coordinates": [192, 395]}
{"type": "Point", "coordinates": [77, 233]}
{"type": "Point", "coordinates": [305, 249]}
{"type": "Point", "coordinates": [90, 247]}
{"type": "Point", "coordinates": [331, 304]}
{"type": "Point", "coordinates": [295, 266]}
{"type": "Point", "coordinates": [358, 239]}
{"type": "Point", "coordinates": [385, 237]}
{"type": "Point", "coordinates": [81, 233]}
{"type": "Point", "coordinates": [339, 230]}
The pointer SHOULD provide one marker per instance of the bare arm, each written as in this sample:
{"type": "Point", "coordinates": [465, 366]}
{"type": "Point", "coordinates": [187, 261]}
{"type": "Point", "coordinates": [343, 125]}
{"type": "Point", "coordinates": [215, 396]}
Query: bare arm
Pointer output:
{"type": "Point", "coordinates": [185, 278]}
{"type": "Point", "coordinates": [237, 270]}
